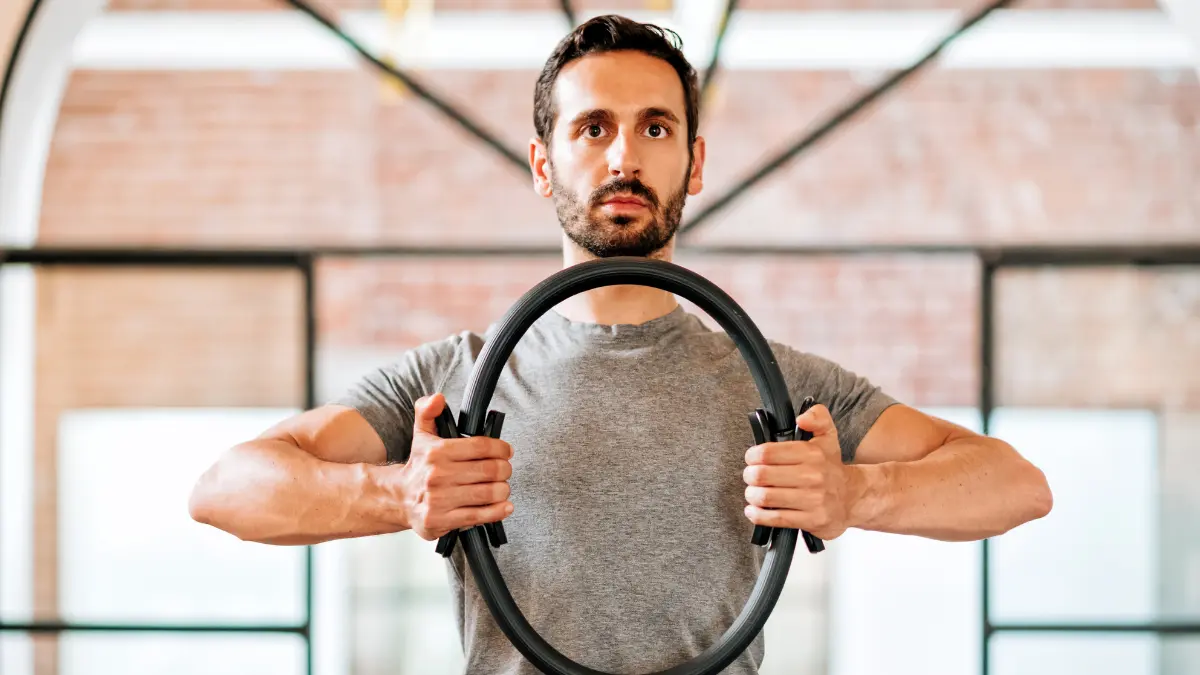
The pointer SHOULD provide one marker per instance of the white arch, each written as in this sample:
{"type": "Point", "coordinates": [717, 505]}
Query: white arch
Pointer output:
{"type": "Point", "coordinates": [31, 113]}
{"type": "Point", "coordinates": [1186, 15]}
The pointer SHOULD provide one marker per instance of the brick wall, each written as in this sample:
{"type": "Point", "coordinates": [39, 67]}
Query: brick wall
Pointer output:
{"type": "Point", "coordinates": [623, 5]}
{"type": "Point", "coordinates": [1099, 338]}
{"type": "Point", "coordinates": [958, 157]}
{"type": "Point", "coordinates": [440, 5]}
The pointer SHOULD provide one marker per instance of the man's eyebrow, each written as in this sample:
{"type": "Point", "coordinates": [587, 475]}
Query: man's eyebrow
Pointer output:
{"type": "Point", "coordinates": [593, 116]}
{"type": "Point", "coordinates": [658, 113]}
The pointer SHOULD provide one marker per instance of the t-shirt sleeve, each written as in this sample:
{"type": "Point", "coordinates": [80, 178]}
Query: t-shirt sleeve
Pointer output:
{"type": "Point", "coordinates": [386, 396]}
{"type": "Point", "coordinates": [854, 402]}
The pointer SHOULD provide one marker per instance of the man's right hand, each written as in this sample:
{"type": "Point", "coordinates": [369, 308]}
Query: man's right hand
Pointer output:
{"type": "Point", "coordinates": [452, 483]}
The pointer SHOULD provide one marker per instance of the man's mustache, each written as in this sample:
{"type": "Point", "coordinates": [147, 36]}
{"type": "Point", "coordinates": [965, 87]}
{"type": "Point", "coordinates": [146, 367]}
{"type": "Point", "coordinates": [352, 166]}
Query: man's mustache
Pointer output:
{"type": "Point", "coordinates": [633, 187]}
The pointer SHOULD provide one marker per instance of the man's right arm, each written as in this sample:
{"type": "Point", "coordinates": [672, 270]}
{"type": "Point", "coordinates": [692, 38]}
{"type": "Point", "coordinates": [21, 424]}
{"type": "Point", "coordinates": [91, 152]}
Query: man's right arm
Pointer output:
{"type": "Point", "coordinates": [317, 476]}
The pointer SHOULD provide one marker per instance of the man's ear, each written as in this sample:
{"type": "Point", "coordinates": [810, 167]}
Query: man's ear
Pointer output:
{"type": "Point", "coordinates": [696, 179]}
{"type": "Point", "coordinates": [539, 165]}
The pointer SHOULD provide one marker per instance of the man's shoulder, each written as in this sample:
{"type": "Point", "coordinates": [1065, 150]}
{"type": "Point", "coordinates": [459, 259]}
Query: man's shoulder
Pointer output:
{"type": "Point", "coordinates": [436, 356]}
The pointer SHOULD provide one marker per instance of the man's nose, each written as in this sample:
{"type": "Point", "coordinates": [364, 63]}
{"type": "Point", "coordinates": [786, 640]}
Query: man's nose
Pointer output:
{"type": "Point", "coordinates": [623, 160]}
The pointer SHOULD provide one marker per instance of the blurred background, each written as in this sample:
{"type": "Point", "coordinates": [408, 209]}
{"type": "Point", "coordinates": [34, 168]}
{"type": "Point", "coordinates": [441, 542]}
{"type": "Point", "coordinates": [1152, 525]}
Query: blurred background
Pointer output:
{"type": "Point", "coordinates": [213, 214]}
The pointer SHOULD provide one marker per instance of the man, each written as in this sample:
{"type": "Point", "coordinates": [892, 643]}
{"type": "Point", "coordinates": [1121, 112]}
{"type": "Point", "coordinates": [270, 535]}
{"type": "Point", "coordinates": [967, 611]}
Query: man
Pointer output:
{"type": "Point", "coordinates": [625, 445]}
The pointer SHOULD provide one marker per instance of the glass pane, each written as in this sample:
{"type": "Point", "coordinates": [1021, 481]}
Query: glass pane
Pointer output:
{"type": "Point", "coordinates": [95, 486]}
{"type": "Point", "coordinates": [152, 654]}
{"type": "Point", "coordinates": [17, 653]}
{"type": "Point", "coordinates": [1101, 345]}
{"type": "Point", "coordinates": [179, 654]}
{"type": "Point", "coordinates": [1057, 654]}
{"type": "Point", "coordinates": [407, 634]}
{"type": "Point", "coordinates": [16, 442]}
{"type": "Point", "coordinates": [1096, 557]}
{"type": "Point", "coordinates": [1180, 655]}
{"type": "Point", "coordinates": [915, 601]}
{"type": "Point", "coordinates": [129, 551]}
{"type": "Point", "coordinates": [794, 640]}
{"type": "Point", "coordinates": [1095, 654]}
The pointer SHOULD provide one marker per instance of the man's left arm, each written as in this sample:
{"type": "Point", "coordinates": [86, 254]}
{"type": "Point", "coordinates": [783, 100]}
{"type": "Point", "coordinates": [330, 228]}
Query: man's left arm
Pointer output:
{"type": "Point", "coordinates": [912, 474]}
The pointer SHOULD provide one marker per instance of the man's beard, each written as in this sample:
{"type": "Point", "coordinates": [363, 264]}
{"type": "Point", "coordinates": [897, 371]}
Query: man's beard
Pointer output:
{"type": "Point", "coordinates": [610, 236]}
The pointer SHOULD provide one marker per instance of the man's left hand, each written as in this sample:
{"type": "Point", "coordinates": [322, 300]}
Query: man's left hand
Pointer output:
{"type": "Point", "coordinates": [802, 485]}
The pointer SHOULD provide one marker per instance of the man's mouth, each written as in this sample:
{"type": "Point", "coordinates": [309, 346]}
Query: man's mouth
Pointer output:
{"type": "Point", "coordinates": [625, 202]}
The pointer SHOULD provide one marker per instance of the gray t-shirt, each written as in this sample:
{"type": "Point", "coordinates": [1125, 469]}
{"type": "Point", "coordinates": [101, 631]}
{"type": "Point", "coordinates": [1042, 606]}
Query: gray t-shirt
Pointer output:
{"type": "Point", "coordinates": [628, 551]}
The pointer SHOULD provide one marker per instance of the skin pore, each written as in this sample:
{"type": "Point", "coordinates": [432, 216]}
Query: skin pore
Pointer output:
{"type": "Point", "coordinates": [618, 168]}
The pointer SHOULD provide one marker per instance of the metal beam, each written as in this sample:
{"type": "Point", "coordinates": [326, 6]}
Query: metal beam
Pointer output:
{"type": "Point", "coordinates": [714, 63]}
{"type": "Point", "coordinates": [987, 402]}
{"type": "Point", "coordinates": [837, 119]}
{"type": "Point", "coordinates": [66, 627]}
{"type": "Point", "coordinates": [569, 12]}
{"type": "Point", "coordinates": [299, 257]}
{"type": "Point", "coordinates": [1160, 628]}
{"type": "Point", "coordinates": [470, 126]}
{"type": "Point", "coordinates": [123, 257]}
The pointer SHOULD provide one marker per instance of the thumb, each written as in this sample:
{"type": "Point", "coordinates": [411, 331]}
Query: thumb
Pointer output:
{"type": "Point", "coordinates": [817, 421]}
{"type": "Point", "coordinates": [426, 412]}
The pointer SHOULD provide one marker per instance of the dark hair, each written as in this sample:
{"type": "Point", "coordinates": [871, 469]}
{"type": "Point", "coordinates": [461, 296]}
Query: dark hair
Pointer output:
{"type": "Point", "coordinates": [612, 33]}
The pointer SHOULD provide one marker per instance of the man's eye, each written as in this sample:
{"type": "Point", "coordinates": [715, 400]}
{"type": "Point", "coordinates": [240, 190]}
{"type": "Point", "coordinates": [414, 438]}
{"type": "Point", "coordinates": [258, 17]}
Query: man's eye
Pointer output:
{"type": "Point", "coordinates": [656, 130]}
{"type": "Point", "coordinates": [594, 131]}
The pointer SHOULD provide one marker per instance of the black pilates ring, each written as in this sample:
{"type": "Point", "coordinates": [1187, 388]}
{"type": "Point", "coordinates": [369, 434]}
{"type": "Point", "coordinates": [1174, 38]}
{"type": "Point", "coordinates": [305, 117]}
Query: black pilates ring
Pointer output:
{"type": "Point", "coordinates": [474, 419]}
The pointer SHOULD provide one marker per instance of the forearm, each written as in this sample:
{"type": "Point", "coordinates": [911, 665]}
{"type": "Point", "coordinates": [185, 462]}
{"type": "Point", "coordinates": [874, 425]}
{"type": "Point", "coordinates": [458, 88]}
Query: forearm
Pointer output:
{"type": "Point", "coordinates": [272, 492]}
{"type": "Point", "coordinates": [971, 488]}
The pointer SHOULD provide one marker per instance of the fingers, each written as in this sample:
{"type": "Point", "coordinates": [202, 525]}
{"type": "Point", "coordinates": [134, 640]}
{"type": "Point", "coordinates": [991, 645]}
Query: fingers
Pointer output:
{"type": "Point", "coordinates": [786, 453]}
{"type": "Point", "coordinates": [783, 476]}
{"type": "Point", "coordinates": [468, 449]}
{"type": "Point", "coordinates": [468, 473]}
{"type": "Point", "coordinates": [784, 498]}
{"type": "Point", "coordinates": [425, 413]}
{"type": "Point", "coordinates": [816, 420]}
{"type": "Point", "coordinates": [816, 521]}
{"type": "Point", "coordinates": [449, 499]}
{"type": "Point", "coordinates": [477, 515]}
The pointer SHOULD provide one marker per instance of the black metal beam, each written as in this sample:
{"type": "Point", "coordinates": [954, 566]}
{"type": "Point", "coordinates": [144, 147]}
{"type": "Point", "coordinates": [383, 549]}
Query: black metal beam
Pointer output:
{"type": "Point", "coordinates": [837, 119]}
{"type": "Point", "coordinates": [1072, 255]}
{"type": "Point", "coordinates": [714, 63]}
{"type": "Point", "coordinates": [125, 257]}
{"type": "Point", "coordinates": [309, 270]}
{"type": "Point", "coordinates": [1160, 628]}
{"type": "Point", "coordinates": [569, 12]}
{"type": "Point", "coordinates": [66, 627]}
{"type": "Point", "coordinates": [987, 391]}
{"type": "Point", "coordinates": [998, 256]}
{"type": "Point", "coordinates": [470, 126]}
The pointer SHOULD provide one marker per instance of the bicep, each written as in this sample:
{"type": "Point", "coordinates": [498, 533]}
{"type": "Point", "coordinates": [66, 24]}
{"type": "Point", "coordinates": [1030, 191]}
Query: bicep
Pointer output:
{"type": "Point", "coordinates": [905, 434]}
{"type": "Point", "coordinates": [333, 433]}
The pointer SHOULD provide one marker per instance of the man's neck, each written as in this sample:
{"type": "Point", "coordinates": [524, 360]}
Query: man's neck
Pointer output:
{"type": "Point", "coordinates": [612, 305]}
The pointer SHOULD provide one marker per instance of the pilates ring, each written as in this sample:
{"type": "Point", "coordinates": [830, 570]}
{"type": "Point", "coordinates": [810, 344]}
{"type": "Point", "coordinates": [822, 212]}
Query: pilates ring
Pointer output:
{"type": "Point", "coordinates": [776, 421]}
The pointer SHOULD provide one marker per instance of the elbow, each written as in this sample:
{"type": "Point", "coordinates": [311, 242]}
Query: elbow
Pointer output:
{"type": "Point", "coordinates": [201, 504]}
{"type": "Point", "coordinates": [1041, 498]}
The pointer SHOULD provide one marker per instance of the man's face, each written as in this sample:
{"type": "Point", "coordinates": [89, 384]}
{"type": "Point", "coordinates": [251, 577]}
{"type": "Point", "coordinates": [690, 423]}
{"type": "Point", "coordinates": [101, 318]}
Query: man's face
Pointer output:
{"type": "Point", "coordinates": [618, 164]}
